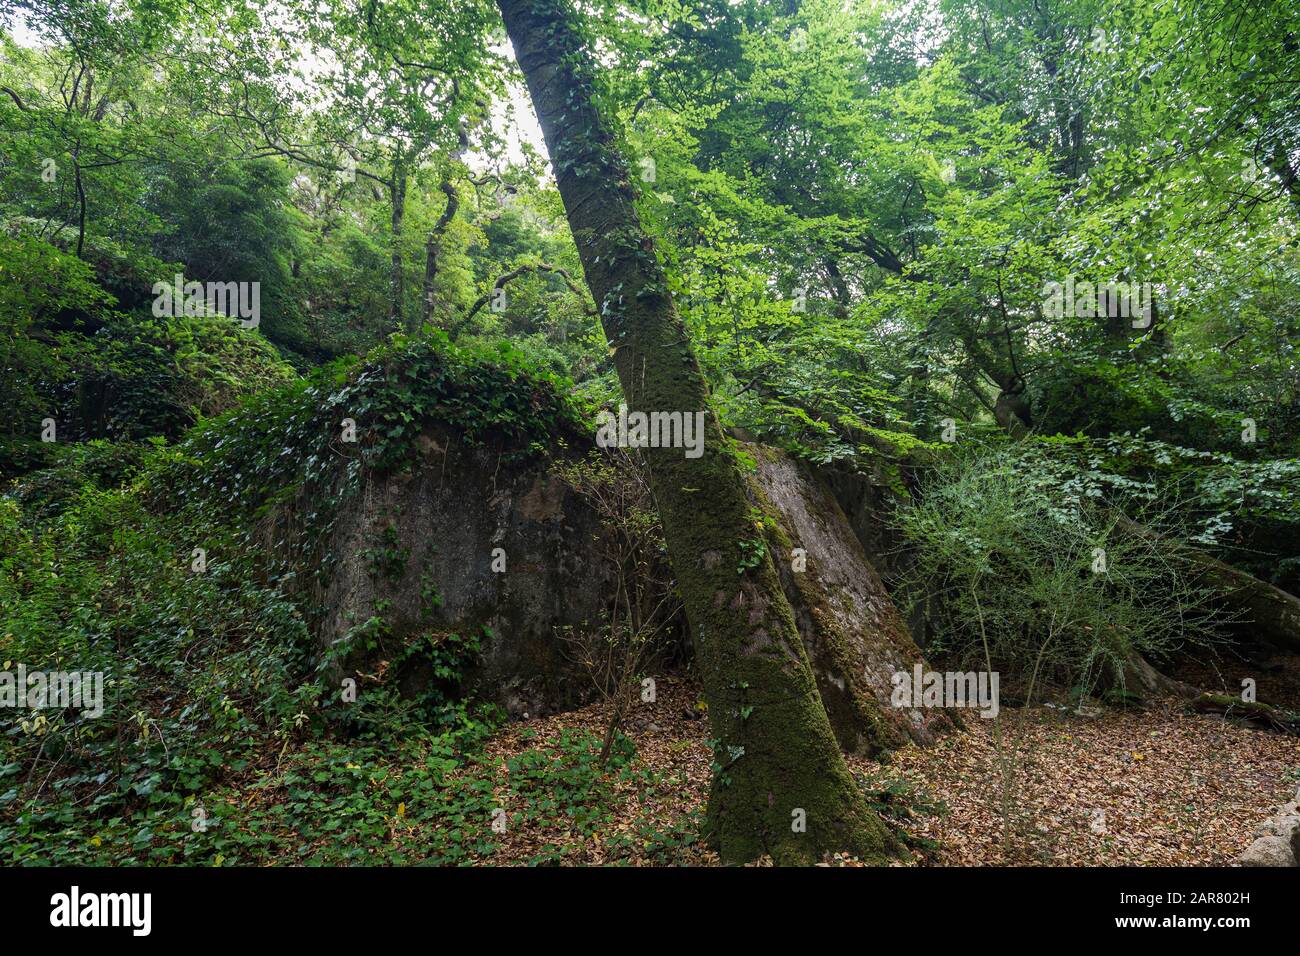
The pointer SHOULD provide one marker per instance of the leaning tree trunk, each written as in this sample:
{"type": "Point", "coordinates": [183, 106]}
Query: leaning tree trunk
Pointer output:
{"type": "Point", "coordinates": [1271, 614]}
{"type": "Point", "coordinates": [780, 784]}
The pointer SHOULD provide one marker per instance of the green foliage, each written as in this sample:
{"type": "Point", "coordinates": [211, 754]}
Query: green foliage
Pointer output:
{"type": "Point", "coordinates": [858, 206]}
{"type": "Point", "coordinates": [208, 671]}
{"type": "Point", "coordinates": [1040, 578]}
{"type": "Point", "coordinates": [285, 452]}
{"type": "Point", "coordinates": [235, 223]}
{"type": "Point", "coordinates": [200, 669]}
{"type": "Point", "coordinates": [104, 374]}
{"type": "Point", "coordinates": [37, 284]}
{"type": "Point", "coordinates": [1242, 509]}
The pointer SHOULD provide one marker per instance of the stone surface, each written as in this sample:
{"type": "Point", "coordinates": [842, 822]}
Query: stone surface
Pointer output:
{"type": "Point", "coordinates": [1277, 841]}
{"type": "Point", "coordinates": [449, 514]}
{"type": "Point", "coordinates": [851, 629]}
{"type": "Point", "coordinates": [1268, 851]}
{"type": "Point", "coordinates": [459, 502]}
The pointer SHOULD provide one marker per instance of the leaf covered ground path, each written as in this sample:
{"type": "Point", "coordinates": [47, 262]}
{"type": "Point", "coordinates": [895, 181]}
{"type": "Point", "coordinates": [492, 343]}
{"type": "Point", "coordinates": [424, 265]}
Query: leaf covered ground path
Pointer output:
{"type": "Point", "coordinates": [1156, 786]}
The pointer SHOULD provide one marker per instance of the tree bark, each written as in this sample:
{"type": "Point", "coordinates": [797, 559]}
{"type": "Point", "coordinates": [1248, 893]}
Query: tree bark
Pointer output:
{"type": "Point", "coordinates": [1280, 163]}
{"type": "Point", "coordinates": [780, 786]}
{"type": "Point", "coordinates": [1012, 410]}
{"type": "Point", "coordinates": [397, 194]}
{"type": "Point", "coordinates": [433, 247]}
{"type": "Point", "coordinates": [1269, 613]}
{"type": "Point", "coordinates": [855, 639]}
{"type": "Point", "coordinates": [840, 288]}
{"type": "Point", "coordinates": [81, 199]}
{"type": "Point", "coordinates": [1255, 712]}
{"type": "Point", "coordinates": [1140, 678]}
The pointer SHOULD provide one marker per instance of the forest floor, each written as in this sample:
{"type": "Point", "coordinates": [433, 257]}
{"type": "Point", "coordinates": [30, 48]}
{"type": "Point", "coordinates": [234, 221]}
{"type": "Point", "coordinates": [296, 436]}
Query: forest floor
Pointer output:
{"type": "Point", "coordinates": [1155, 786]}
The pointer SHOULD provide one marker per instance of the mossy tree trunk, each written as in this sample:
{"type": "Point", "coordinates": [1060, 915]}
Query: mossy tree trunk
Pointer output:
{"type": "Point", "coordinates": [397, 193]}
{"type": "Point", "coordinates": [433, 248]}
{"type": "Point", "coordinates": [781, 786]}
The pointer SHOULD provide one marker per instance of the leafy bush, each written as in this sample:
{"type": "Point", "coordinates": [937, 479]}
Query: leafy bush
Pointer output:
{"type": "Point", "coordinates": [1024, 571]}
{"type": "Point", "coordinates": [198, 668]}
{"type": "Point", "coordinates": [100, 373]}
{"type": "Point", "coordinates": [1245, 510]}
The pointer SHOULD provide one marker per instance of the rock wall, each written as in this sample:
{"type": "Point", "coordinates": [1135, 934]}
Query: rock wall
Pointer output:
{"type": "Point", "coordinates": [850, 627]}
{"type": "Point", "coordinates": [446, 515]}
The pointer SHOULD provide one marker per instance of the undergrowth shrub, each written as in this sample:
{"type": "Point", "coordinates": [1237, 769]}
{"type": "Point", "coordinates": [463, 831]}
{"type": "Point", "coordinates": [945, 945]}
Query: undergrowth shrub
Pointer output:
{"type": "Point", "coordinates": [1024, 569]}
{"type": "Point", "coordinates": [199, 669]}
{"type": "Point", "coordinates": [211, 675]}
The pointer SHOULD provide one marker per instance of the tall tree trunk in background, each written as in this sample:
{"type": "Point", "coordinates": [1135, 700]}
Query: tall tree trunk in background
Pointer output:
{"type": "Point", "coordinates": [1280, 163]}
{"type": "Point", "coordinates": [783, 787]}
{"type": "Point", "coordinates": [840, 288]}
{"type": "Point", "coordinates": [397, 194]}
{"type": "Point", "coordinates": [1012, 409]}
{"type": "Point", "coordinates": [433, 247]}
{"type": "Point", "coordinates": [81, 199]}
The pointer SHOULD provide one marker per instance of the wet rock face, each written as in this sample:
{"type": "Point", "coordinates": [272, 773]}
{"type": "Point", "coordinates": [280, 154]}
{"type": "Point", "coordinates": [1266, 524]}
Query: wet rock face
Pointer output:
{"type": "Point", "coordinates": [506, 547]}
